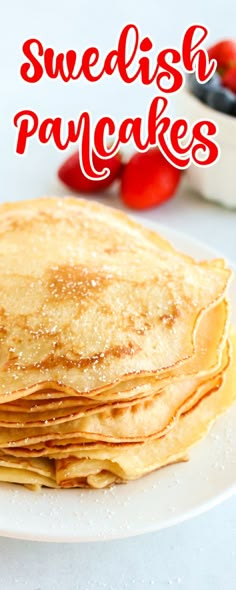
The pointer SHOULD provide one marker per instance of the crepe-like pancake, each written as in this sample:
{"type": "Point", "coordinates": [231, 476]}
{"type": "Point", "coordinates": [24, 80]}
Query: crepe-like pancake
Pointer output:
{"type": "Point", "coordinates": [115, 353]}
{"type": "Point", "coordinates": [44, 406]}
{"type": "Point", "coordinates": [206, 360]}
{"type": "Point", "coordinates": [33, 473]}
{"type": "Point", "coordinates": [209, 342]}
{"type": "Point", "coordinates": [103, 464]}
{"type": "Point", "coordinates": [27, 413]}
{"type": "Point", "coordinates": [129, 463]}
{"type": "Point", "coordinates": [120, 422]}
{"type": "Point", "coordinates": [59, 322]}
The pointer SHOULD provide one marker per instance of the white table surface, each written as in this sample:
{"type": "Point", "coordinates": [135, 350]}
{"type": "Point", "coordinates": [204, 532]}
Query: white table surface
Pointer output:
{"type": "Point", "coordinates": [199, 554]}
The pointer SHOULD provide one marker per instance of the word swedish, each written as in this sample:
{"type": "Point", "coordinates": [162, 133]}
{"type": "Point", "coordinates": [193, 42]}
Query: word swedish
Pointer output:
{"type": "Point", "coordinates": [105, 137]}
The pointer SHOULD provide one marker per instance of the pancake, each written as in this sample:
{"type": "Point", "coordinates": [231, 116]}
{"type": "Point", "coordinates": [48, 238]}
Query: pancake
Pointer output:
{"type": "Point", "coordinates": [128, 463]}
{"type": "Point", "coordinates": [33, 473]}
{"type": "Point", "coordinates": [103, 464]}
{"type": "Point", "coordinates": [116, 352]}
{"type": "Point", "coordinates": [59, 324]}
{"type": "Point", "coordinates": [120, 422]}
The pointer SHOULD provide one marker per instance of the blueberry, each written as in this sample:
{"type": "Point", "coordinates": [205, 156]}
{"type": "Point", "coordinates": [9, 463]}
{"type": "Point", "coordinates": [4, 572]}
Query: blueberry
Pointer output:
{"type": "Point", "coordinates": [200, 90]}
{"type": "Point", "coordinates": [233, 111]}
{"type": "Point", "coordinates": [221, 99]}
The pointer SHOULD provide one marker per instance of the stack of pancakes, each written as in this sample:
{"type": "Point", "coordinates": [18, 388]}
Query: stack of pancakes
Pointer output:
{"type": "Point", "coordinates": [115, 354]}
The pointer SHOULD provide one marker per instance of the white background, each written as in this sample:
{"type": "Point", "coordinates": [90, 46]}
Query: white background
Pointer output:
{"type": "Point", "coordinates": [201, 554]}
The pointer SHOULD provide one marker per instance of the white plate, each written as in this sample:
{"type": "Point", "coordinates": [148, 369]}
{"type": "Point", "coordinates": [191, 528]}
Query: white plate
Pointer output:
{"type": "Point", "coordinates": [159, 500]}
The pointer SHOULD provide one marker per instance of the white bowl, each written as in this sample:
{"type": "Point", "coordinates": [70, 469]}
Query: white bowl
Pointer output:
{"type": "Point", "coordinates": [216, 182]}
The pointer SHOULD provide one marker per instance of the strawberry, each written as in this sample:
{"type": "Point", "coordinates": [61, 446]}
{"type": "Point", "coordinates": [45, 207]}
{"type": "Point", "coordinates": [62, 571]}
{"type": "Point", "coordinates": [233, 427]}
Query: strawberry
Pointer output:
{"type": "Point", "coordinates": [71, 175]}
{"type": "Point", "coordinates": [229, 79]}
{"type": "Point", "coordinates": [225, 54]}
{"type": "Point", "coordinates": [148, 180]}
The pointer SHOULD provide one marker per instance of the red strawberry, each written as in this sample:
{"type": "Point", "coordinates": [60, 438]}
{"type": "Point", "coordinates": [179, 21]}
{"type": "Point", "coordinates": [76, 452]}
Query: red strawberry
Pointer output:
{"type": "Point", "coordinates": [71, 175]}
{"type": "Point", "coordinates": [225, 54]}
{"type": "Point", "coordinates": [148, 180]}
{"type": "Point", "coordinates": [229, 79]}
